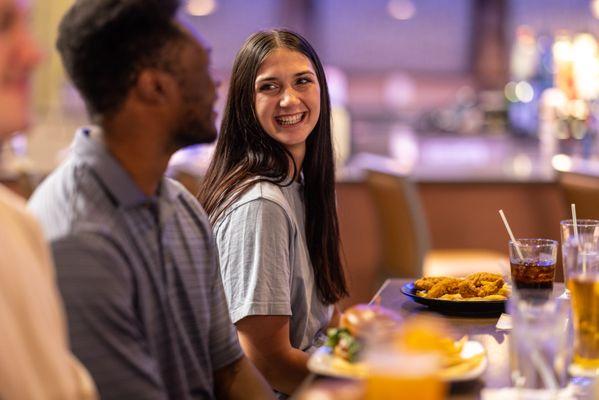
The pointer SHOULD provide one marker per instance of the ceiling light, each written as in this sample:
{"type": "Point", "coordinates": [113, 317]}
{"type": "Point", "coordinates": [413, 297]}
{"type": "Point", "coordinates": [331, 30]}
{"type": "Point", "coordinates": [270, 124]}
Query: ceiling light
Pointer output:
{"type": "Point", "coordinates": [401, 9]}
{"type": "Point", "coordinates": [200, 8]}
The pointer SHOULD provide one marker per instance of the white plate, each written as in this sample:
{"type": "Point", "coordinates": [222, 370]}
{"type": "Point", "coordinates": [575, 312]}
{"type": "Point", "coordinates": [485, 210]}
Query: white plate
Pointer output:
{"type": "Point", "coordinates": [322, 363]}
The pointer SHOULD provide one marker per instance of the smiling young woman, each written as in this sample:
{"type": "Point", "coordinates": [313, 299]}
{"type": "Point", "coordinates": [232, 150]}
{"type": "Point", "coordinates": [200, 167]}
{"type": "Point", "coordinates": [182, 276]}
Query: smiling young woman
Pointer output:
{"type": "Point", "coordinates": [288, 100]}
{"type": "Point", "coordinates": [270, 195]}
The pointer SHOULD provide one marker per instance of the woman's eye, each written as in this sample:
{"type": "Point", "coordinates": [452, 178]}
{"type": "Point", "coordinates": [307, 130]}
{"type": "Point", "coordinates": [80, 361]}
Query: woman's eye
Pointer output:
{"type": "Point", "coordinates": [267, 87]}
{"type": "Point", "coordinates": [303, 81]}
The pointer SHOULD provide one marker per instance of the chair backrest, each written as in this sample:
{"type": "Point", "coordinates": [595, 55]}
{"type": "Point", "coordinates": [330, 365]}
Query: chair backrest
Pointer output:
{"type": "Point", "coordinates": [361, 241]}
{"type": "Point", "coordinates": [581, 189]}
{"type": "Point", "coordinates": [405, 235]}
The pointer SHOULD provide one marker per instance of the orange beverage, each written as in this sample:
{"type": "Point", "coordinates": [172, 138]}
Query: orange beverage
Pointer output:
{"type": "Point", "coordinates": [398, 386]}
{"type": "Point", "coordinates": [404, 375]}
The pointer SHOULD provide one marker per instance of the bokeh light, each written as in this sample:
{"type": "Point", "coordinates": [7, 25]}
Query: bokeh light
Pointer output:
{"type": "Point", "coordinates": [199, 8]}
{"type": "Point", "coordinates": [524, 92]}
{"type": "Point", "coordinates": [401, 9]}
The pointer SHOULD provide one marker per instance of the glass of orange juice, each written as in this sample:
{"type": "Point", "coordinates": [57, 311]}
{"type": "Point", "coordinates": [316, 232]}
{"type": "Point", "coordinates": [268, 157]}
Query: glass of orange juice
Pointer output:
{"type": "Point", "coordinates": [411, 375]}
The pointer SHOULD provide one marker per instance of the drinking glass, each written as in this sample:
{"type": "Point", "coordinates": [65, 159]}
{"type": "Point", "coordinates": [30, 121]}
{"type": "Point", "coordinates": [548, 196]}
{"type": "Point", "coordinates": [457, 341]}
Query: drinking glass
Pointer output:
{"type": "Point", "coordinates": [410, 375]}
{"type": "Point", "coordinates": [532, 263]}
{"type": "Point", "coordinates": [539, 352]}
{"type": "Point", "coordinates": [588, 232]}
{"type": "Point", "coordinates": [583, 283]}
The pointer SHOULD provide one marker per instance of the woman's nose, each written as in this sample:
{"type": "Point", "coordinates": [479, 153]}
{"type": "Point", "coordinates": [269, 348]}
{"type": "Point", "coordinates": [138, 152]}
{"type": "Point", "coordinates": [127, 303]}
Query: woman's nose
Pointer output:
{"type": "Point", "coordinates": [289, 98]}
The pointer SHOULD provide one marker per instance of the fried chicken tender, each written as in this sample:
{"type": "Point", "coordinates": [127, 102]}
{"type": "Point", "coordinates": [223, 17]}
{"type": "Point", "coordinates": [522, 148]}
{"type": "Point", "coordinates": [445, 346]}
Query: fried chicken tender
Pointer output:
{"type": "Point", "coordinates": [481, 284]}
{"type": "Point", "coordinates": [475, 287]}
{"type": "Point", "coordinates": [428, 282]}
{"type": "Point", "coordinates": [485, 277]}
{"type": "Point", "coordinates": [443, 287]}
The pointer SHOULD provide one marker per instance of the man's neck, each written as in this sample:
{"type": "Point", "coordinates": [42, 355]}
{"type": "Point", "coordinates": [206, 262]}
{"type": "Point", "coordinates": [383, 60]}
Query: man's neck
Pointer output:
{"type": "Point", "coordinates": [142, 153]}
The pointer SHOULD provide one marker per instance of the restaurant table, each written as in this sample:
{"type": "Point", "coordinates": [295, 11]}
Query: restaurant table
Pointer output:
{"type": "Point", "coordinates": [481, 329]}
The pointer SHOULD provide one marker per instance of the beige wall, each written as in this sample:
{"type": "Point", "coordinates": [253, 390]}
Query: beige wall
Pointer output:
{"type": "Point", "coordinates": [57, 110]}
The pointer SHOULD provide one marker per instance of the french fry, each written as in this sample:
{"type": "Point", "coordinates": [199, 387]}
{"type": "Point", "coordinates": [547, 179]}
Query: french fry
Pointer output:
{"type": "Point", "coordinates": [462, 367]}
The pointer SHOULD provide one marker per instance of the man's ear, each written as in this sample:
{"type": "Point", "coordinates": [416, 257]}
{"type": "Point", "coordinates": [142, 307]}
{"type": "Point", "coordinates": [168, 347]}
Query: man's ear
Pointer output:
{"type": "Point", "coordinates": [155, 87]}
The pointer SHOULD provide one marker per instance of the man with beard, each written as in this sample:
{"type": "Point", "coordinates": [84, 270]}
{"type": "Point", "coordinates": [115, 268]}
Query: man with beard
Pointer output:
{"type": "Point", "coordinates": [134, 252]}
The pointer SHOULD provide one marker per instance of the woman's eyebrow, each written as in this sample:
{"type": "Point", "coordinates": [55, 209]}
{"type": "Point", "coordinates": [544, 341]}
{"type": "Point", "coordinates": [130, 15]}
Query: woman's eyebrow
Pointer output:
{"type": "Point", "coordinates": [306, 72]}
{"type": "Point", "coordinates": [272, 78]}
{"type": "Point", "coordinates": [265, 78]}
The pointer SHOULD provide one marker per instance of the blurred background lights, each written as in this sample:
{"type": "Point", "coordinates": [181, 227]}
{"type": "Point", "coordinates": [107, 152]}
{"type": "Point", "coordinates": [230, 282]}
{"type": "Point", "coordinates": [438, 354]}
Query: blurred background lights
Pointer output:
{"type": "Point", "coordinates": [338, 84]}
{"type": "Point", "coordinates": [562, 48]}
{"type": "Point", "coordinates": [199, 8]}
{"type": "Point", "coordinates": [561, 162]}
{"type": "Point", "coordinates": [584, 45]}
{"type": "Point", "coordinates": [585, 66]}
{"type": "Point", "coordinates": [510, 92]}
{"type": "Point", "coordinates": [399, 90]}
{"type": "Point", "coordinates": [522, 166]}
{"type": "Point", "coordinates": [403, 146]}
{"type": "Point", "coordinates": [524, 92]}
{"type": "Point", "coordinates": [595, 8]}
{"type": "Point", "coordinates": [524, 59]}
{"type": "Point", "coordinates": [555, 99]}
{"type": "Point", "coordinates": [578, 109]}
{"type": "Point", "coordinates": [401, 9]}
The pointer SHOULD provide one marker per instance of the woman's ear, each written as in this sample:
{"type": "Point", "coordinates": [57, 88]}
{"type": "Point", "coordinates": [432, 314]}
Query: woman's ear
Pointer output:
{"type": "Point", "coordinates": [155, 87]}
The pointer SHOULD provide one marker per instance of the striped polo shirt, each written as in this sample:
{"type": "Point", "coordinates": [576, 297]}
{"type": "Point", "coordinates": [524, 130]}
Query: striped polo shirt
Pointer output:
{"type": "Point", "coordinates": [139, 277]}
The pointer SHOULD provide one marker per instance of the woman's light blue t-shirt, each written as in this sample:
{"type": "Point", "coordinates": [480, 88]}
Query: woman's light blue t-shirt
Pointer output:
{"type": "Point", "coordinates": [265, 263]}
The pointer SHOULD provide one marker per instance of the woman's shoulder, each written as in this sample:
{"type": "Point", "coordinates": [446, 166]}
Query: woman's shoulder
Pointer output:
{"type": "Point", "coordinates": [262, 194]}
{"type": "Point", "coordinates": [262, 190]}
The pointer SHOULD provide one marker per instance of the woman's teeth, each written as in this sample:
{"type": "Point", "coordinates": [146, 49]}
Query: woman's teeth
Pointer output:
{"type": "Point", "coordinates": [290, 119]}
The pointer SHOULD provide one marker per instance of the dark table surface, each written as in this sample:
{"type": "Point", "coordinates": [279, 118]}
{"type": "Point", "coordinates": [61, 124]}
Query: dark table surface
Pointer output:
{"type": "Point", "coordinates": [481, 329]}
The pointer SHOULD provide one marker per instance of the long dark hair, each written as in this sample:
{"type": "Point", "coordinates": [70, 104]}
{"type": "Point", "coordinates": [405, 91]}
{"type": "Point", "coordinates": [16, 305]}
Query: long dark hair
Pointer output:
{"type": "Point", "coordinates": [245, 154]}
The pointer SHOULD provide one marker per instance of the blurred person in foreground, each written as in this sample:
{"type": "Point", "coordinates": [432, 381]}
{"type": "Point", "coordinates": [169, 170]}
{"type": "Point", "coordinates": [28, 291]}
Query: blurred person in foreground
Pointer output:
{"type": "Point", "coordinates": [35, 361]}
{"type": "Point", "coordinates": [134, 253]}
{"type": "Point", "coordinates": [270, 194]}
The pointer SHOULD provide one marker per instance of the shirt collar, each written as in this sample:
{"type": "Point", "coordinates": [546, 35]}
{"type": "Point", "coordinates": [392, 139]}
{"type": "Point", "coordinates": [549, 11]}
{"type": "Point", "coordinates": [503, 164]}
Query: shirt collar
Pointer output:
{"type": "Point", "coordinates": [89, 146]}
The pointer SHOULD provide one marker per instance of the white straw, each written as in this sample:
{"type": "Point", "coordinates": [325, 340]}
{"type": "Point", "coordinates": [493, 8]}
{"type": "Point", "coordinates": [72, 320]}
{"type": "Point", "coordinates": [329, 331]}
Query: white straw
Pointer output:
{"type": "Point", "coordinates": [580, 249]}
{"type": "Point", "coordinates": [509, 231]}
{"type": "Point", "coordinates": [573, 206]}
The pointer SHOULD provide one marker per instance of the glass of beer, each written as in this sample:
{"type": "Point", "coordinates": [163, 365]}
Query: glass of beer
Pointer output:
{"type": "Point", "coordinates": [583, 283]}
{"type": "Point", "coordinates": [532, 263]}
{"type": "Point", "coordinates": [588, 232]}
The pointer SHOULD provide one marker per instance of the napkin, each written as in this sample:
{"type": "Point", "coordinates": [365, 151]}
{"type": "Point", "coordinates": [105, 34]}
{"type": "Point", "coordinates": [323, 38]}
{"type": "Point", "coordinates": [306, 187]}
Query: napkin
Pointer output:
{"type": "Point", "coordinates": [504, 323]}
{"type": "Point", "coordinates": [564, 296]}
{"type": "Point", "coordinates": [527, 394]}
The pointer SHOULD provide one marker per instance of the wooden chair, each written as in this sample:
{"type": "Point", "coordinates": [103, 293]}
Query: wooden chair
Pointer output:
{"type": "Point", "coordinates": [405, 236]}
{"type": "Point", "coordinates": [582, 189]}
{"type": "Point", "coordinates": [360, 240]}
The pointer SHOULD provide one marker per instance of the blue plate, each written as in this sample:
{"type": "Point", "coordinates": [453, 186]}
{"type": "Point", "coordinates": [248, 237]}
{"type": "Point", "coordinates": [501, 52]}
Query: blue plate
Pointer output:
{"type": "Point", "coordinates": [473, 308]}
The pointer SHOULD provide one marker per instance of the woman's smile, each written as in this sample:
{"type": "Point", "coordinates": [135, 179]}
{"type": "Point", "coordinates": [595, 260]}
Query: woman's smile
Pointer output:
{"type": "Point", "coordinates": [290, 120]}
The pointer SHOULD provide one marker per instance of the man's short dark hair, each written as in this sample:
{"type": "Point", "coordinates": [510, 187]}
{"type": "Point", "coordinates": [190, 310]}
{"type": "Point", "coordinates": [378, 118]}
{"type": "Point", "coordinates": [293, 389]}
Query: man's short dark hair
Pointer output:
{"type": "Point", "coordinates": [105, 43]}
